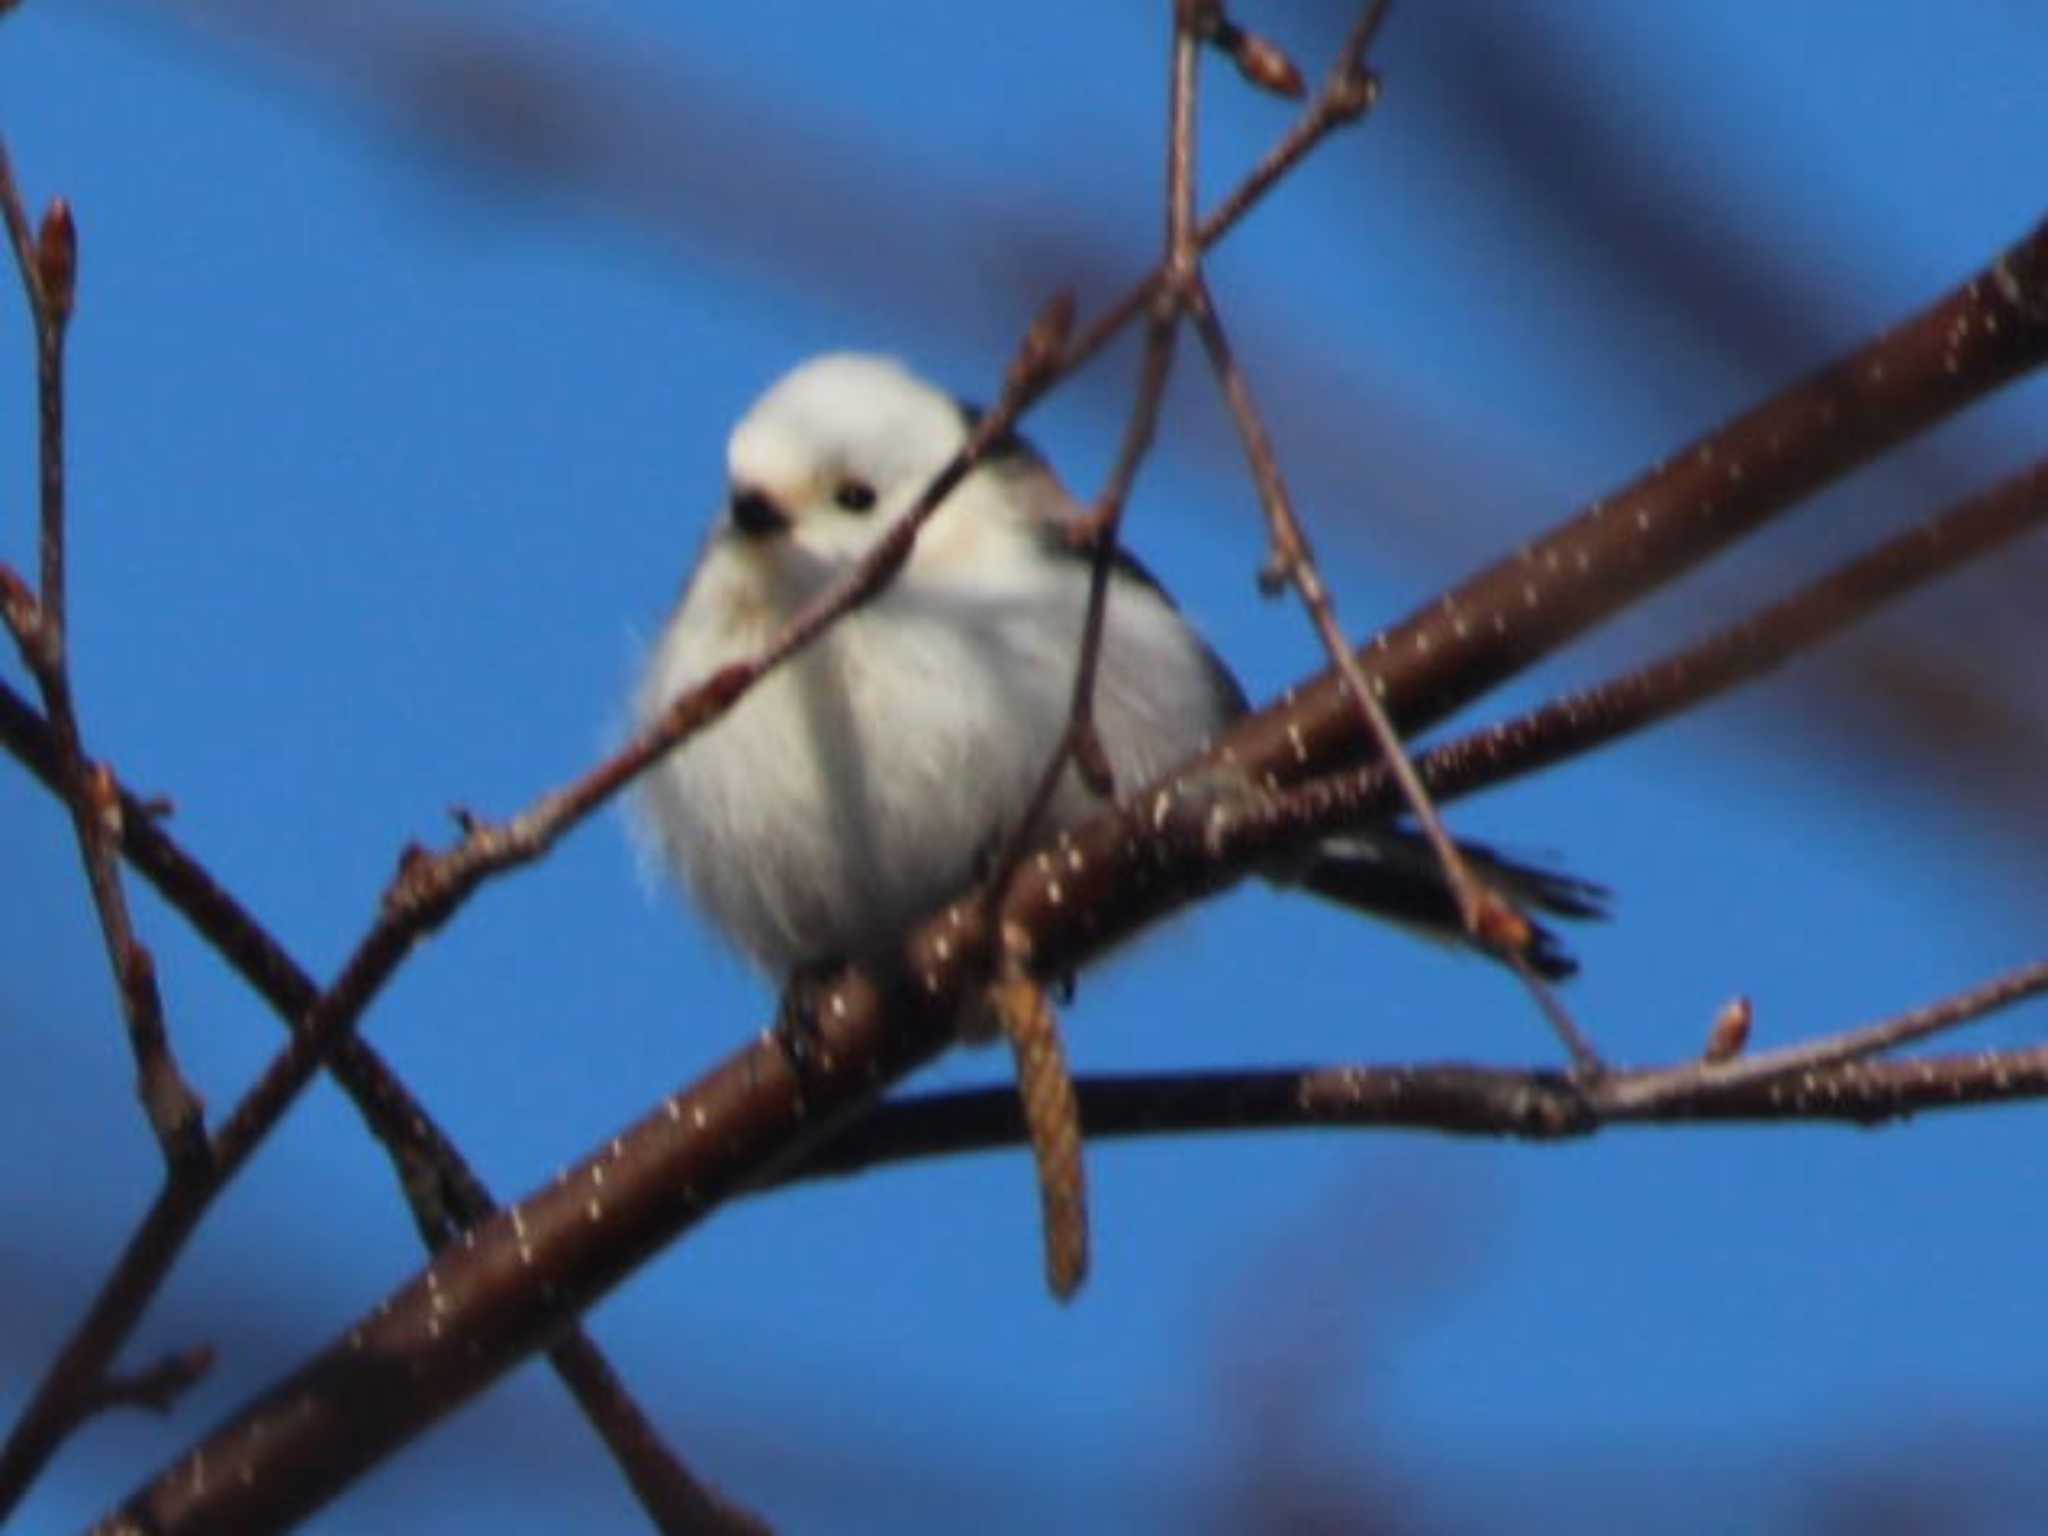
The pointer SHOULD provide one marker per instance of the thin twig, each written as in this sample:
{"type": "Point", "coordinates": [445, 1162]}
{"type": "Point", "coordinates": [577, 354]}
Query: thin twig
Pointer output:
{"type": "Point", "coordinates": [675, 1499]}
{"type": "Point", "coordinates": [1100, 533]}
{"type": "Point", "coordinates": [1347, 96]}
{"type": "Point", "coordinates": [156, 1387]}
{"type": "Point", "coordinates": [48, 263]}
{"type": "Point", "coordinates": [1079, 743]}
{"type": "Point", "coordinates": [446, 1196]}
{"type": "Point", "coordinates": [1293, 561]}
{"type": "Point", "coordinates": [1487, 916]}
{"type": "Point", "coordinates": [1690, 506]}
{"type": "Point", "coordinates": [1015, 998]}
{"type": "Point", "coordinates": [1689, 1082]}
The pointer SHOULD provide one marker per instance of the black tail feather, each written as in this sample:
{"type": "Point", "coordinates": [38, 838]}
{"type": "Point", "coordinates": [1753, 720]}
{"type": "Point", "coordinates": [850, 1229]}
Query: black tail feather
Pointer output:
{"type": "Point", "coordinates": [1394, 875]}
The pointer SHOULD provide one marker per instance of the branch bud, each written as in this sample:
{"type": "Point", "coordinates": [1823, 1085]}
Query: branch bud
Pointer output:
{"type": "Point", "coordinates": [1353, 93]}
{"type": "Point", "coordinates": [57, 260]}
{"type": "Point", "coordinates": [1730, 1033]}
{"type": "Point", "coordinates": [18, 606]}
{"type": "Point", "coordinates": [1263, 63]}
{"type": "Point", "coordinates": [1044, 344]}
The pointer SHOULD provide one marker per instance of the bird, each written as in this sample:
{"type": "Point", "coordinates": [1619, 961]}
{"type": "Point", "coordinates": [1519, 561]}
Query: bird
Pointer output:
{"type": "Point", "coordinates": [866, 782]}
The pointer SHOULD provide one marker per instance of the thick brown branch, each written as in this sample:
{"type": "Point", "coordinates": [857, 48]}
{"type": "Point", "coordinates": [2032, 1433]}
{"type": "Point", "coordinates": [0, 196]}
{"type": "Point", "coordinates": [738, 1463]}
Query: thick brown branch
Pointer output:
{"type": "Point", "coordinates": [395, 1346]}
{"type": "Point", "coordinates": [1749, 649]}
{"type": "Point", "coordinates": [1982, 335]}
{"type": "Point", "coordinates": [1586, 720]}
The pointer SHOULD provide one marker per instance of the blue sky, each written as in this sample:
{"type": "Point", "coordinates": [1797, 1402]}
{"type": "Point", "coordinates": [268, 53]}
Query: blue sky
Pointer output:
{"type": "Point", "coordinates": [399, 404]}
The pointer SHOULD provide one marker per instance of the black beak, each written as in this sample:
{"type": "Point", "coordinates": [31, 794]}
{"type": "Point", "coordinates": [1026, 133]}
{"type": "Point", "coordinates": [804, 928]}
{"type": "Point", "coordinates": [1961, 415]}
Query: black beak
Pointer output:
{"type": "Point", "coordinates": [756, 515]}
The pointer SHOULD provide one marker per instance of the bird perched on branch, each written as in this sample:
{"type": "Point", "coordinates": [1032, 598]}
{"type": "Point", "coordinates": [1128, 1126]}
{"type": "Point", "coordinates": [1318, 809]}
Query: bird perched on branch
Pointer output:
{"type": "Point", "coordinates": [868, 780]}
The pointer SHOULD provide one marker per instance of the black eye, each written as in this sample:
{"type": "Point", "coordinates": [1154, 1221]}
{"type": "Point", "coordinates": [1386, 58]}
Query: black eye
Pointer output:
{"type": "Point", "coordinates": [854, 495]}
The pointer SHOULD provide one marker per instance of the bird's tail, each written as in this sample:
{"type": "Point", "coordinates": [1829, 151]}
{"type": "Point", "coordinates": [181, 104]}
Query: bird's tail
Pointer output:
{"type": "Point", "coordinates": [1394, 875]}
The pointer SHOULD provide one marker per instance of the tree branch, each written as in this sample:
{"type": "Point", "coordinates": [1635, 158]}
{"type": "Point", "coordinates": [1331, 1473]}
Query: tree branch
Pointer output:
{"type": "Point", "coordinates": [430, 888]}
{"type": "Point", "coordinates": [529, 1271]}
{"type": "Point", "coordinates": [752, 1110]}
{"type": "Point", "coordinates": [446, 1196]}
{"type": "Point", "coordinates": [1980, 336]}
{"type": "Point", "coordinates": [47, 259]}
{"type": "Point", "coordinates": [1591, 718]}
{"type": "Point", "coordinates": [1822, 1081]}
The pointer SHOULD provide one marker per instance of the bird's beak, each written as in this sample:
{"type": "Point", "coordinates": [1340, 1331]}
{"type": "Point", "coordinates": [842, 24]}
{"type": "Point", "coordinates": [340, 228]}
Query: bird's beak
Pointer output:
{"type": "Point", "coordinates": [756, 514]}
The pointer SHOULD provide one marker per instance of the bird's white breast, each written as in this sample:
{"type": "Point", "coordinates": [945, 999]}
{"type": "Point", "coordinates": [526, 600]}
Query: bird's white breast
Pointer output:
{"type": "Point", "coordinates": [865, 782]}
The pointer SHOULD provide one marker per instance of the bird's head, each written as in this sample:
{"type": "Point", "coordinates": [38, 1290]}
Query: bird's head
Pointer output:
{"type": "Point", "coordinates": [832, 454]}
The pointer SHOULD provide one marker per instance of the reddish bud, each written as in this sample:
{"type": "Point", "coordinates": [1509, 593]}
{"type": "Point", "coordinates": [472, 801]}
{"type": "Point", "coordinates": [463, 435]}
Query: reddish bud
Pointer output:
{"type": "Point", "coordinates": [1266, 66]}
{"type": "Point", "coordinates": [1046, 341]}
{"type": "Point", "coordinates": [57, 259]}
{"type": "Point", "coordinates": [1730, 1033]}
{"type": "Point", "coordinates": [1501, 928]}
{"type": "Point", "coordinates": [18, 604]}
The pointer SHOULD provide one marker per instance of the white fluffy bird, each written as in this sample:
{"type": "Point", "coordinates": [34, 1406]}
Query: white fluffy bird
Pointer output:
{"type": "Point", "coordinates": [867, 781]}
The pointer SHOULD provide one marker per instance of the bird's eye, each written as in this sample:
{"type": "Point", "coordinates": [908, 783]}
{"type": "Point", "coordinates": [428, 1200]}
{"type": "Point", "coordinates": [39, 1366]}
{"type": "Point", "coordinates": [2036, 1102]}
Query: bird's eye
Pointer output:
{"type": "Point", "coordinates": [854, 495]}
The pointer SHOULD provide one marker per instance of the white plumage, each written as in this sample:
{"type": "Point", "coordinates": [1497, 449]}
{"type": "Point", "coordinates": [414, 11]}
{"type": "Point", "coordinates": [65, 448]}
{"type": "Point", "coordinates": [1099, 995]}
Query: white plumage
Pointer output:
{"type": "Point", "coordinates": [858, 787]}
